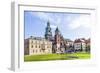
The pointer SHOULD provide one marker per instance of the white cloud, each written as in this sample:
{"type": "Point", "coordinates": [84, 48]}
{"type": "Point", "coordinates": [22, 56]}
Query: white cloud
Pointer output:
{"type": "Point", "coordinates": [43, 16]}
{"type": "Point", "coordinates": [73, 21]}
{"type": "Point", "coordinates": [53, 26]}
{"type": "Point", "coordinates": [47, 17]}
{"type": "Point", "coordinates": [83, 21]}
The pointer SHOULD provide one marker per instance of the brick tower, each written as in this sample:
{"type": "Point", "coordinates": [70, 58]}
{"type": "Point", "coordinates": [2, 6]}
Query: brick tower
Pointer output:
{"type": "Point", "coordinates": [57, 40]}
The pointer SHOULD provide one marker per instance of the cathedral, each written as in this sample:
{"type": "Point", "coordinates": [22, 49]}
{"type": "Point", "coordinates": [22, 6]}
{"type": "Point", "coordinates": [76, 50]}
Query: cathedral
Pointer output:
{"type": "Point", "coordinates": [58, 42]}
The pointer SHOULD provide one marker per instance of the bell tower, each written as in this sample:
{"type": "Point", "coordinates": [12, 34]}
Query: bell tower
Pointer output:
{"type": "Point", "coordinates": [57, 40]}
{"type": "Point", "coordinates": [57, 36]}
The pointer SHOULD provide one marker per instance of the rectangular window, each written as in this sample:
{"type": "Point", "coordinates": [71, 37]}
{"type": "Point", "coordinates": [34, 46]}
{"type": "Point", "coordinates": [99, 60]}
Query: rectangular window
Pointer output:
{"type": "Point", "coordinates": [36, 46]}
{"type": "Point", "coordinates": [32, 46]}
{"type": "Point", "coordinates": [39, 46]}
{"type": "Point", "coordinates": [33, 51]}
{"type": "Point", "coordinates": [36, 51]}
{"type": "Point", "coordinates": [32, 42]}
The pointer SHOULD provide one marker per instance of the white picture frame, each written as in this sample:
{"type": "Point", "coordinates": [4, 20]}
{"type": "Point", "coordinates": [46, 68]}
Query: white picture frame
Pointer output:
{"type": "Point", "coordinates": [17, 51]}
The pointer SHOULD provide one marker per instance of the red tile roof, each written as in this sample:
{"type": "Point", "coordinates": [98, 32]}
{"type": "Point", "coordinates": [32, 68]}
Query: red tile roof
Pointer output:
{"type": "Point", "coordinates": [79, 40]}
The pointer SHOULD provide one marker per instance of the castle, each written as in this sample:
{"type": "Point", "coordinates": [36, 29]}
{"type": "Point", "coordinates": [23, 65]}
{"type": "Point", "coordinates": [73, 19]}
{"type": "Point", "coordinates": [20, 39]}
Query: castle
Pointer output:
{"type": "Point", "coordinates": [50, 44]}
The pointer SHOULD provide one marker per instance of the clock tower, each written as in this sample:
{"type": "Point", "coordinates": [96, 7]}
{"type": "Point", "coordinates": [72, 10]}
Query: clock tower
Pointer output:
{"type": "Point", "coordinates": [48, 33]}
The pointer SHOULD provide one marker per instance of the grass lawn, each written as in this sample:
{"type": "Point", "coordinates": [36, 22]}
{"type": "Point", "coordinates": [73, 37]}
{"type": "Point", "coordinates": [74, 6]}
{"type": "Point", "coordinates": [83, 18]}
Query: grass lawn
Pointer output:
{"type": "Point", "coordinates": [46, 57]}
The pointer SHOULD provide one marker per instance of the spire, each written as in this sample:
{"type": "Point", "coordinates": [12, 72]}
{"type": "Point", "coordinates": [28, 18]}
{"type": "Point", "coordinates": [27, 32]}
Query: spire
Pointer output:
{"type": "Point", "coordinates": [48, 23]}
{"type": "Point", "coordinates": [57, 31]}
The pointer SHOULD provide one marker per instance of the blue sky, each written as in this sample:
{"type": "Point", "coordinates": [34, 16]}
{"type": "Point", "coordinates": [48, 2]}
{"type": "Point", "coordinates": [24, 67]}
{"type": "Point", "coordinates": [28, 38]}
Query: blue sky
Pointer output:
{"type": "Point", "coordinates": [71, 25]}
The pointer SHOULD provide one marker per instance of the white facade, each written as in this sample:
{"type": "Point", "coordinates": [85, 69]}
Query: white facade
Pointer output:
{"type": "Point", "coordinates": [80, 45]}
{"type": "Point", "coordinates": [38, 46]}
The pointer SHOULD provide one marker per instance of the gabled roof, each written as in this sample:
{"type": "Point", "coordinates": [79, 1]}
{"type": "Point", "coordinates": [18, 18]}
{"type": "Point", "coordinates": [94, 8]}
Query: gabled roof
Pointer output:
{"type": "Point", "coordinates": [88, 40]}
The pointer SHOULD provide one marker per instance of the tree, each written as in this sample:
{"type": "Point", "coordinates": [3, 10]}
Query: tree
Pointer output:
{"type": "Point", "coordinates": [88, 48]}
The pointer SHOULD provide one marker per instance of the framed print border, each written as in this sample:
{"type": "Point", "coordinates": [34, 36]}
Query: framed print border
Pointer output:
{"type": "Point", "coordinates": [17, 35]}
